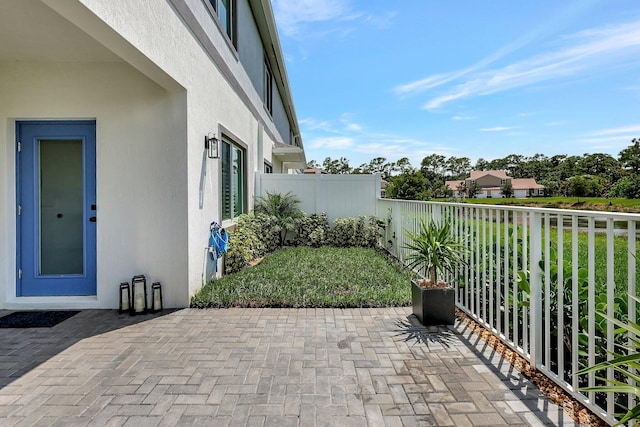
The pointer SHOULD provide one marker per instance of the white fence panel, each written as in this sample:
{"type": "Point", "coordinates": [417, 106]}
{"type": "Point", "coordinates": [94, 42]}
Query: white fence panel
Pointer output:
{"type": "Point", "coordinates": [339, 196]}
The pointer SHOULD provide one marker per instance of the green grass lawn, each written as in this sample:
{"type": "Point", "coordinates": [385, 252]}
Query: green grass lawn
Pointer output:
{"type": "Point", "coordinates": [313, 277]}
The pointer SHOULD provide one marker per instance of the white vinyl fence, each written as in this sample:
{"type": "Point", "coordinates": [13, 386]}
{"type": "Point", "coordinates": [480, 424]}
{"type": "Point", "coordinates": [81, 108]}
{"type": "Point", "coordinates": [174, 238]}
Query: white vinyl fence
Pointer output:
{"type": "Point", "coordinates": [537, 278]}
{"type": "Point", "coordinates": [339, 196]}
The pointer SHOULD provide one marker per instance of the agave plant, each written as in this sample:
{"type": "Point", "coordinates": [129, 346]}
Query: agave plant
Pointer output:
{"type": "Point", "coordinates": [626, 363]}
{"type": "Point", "coordinates": [434, 249]}
{"type": "Point", "coordinates": [283, 208]}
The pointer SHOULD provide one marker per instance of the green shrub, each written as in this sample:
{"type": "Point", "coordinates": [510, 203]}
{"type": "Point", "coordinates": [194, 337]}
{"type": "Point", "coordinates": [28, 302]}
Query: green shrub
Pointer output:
{"type": "Point", "coordinates": [244, 246]}
{"type": "Point", "coordinates": [257, 234]}
{"type": "Point", "coordinates": [628, 187]}
{"type": "Point", "coordinates": [313, 230]}
{"type": "Point", "coordinates": [356, 232]}
{"type": "Point", "coordinates": [253, 236]}
{"type": "Point", "coordinates": [267, 230]}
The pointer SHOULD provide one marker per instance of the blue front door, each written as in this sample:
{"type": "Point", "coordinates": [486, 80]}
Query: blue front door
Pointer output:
{"type": "Point", "coordinates": [56, 189]}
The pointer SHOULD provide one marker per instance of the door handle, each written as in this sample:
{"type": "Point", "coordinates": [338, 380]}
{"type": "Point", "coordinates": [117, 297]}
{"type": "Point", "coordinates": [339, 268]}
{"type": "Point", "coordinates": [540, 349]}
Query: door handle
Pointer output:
{"type": "Point", "coordinates": [92, 219]}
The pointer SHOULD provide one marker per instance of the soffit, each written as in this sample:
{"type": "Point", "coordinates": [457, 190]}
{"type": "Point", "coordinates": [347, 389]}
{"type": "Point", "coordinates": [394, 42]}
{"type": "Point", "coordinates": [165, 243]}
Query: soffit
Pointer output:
{"type": "Point", "coordinates": [31, 31]}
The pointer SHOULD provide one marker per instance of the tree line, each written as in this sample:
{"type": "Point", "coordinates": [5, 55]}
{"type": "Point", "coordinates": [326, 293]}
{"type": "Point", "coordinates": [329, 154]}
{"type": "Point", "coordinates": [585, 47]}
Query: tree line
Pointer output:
{"type": "Point", "coordinates": [589, 175]}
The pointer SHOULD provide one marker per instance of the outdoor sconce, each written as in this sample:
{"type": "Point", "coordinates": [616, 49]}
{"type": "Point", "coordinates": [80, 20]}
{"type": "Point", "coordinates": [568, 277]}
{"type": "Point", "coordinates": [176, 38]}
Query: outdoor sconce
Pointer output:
{"type": "Point", "coordinates": [211, 145]}
{"type": "Point", "coordinates": [139, 295]}
{"type": "Point", "coordinates": [156, 297]}
{"type": "Point", "coordinates": [125, 298]}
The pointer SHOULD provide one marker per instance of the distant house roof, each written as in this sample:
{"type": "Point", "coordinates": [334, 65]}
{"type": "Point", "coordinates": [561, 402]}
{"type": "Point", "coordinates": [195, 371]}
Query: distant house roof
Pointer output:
{"type": "Point", "coordinates": [516, 183]}
{"type": "Point", "coordinates": [498, 174]}
{"type": "Point", "coordinates": [312, 171]}
{"type": "Point", "coordinates": [453, 184]}
{"type": "Point", "coordinates": [525, 184]}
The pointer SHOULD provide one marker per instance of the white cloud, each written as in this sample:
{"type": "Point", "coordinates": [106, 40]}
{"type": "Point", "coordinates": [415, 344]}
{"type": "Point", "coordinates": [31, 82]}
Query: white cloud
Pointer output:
{"type": "Point", "coordinates": [427, 83]}
{"type": "Point", "coordinates": [336, 126]}
{"type": "Point", "coordinates": [583, 52]}
{"type": "Point", "coordinates": [496, 129]}
{"type": "Point", "coordinates": [611, 139]}
{"type": "Point", "coordinates": [332, 142]}
{"type": "Point", "coordinates": [349, 124]}
{"type": "Point", "coordinates": [293, 15]}
{"type": "Point", "coordinates": [626, 129]}
{"type": "Point", "coordinates": [314, 124]}
{"type": "Point", "coordinates": [436, 80]}
{"type": "Point", "coordinates": [460, 117]}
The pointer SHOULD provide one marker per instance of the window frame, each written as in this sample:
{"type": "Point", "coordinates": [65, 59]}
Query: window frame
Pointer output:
{"type": "Point", "coordinates": [213, 8]}
{"type": "Point", "coordinates": [268, 88]}
{"type": "Point", "coordinates": [228, 178]}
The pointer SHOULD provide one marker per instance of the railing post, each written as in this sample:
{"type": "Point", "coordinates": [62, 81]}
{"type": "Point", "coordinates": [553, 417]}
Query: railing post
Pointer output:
{"type": "Point", "coordinates": [535, 284]}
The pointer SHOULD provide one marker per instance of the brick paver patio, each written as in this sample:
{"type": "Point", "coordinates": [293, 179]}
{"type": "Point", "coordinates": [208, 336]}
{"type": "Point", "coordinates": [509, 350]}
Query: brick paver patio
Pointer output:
{"type": "Point", "coordinates": [260, 367]}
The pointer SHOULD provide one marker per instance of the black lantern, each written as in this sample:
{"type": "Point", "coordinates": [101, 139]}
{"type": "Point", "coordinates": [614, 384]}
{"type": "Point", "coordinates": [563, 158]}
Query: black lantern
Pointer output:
{"type": "Point", "coordinates": [211, 145]}
{"type": "Point", "coordinates": [138, 295]}
{"type": "Point", "coordinates": [156, 297]}
{"type": "Point", "coordinates": [125, 298]}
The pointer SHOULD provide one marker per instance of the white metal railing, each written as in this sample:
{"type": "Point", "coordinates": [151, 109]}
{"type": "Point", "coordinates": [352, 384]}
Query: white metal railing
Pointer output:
{"type": "Point", "coordinates": [536, 278]}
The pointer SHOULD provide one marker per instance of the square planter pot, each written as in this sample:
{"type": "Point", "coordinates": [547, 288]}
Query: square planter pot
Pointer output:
{"type": "Point", "coordinates": [433, 306]}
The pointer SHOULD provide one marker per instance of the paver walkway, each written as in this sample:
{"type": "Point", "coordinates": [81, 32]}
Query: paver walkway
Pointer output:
{"type": "Point", "coordinates": [260, 367]}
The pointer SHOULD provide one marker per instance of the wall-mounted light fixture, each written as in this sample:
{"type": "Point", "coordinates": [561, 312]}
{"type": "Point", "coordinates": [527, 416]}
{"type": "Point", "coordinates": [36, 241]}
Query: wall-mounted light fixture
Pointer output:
{"type": "Point", "coordinates": [212, 145]}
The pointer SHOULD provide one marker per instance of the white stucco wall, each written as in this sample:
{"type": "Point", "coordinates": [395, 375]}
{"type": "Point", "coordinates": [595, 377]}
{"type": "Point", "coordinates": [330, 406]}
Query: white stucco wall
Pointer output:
{"type": "Point", "coordinates": [211, 103]}
{"type": "Point", "coordinates": [156, 190]}
{"type": "Point", "coordinates": [140, 172]}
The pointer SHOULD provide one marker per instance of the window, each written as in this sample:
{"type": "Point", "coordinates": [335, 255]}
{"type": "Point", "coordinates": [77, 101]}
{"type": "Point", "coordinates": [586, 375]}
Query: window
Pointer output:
{"type": "Point", "coordinates": [233, 182]}
{"type": "Point", "coordinates": [225, 11]}
{"type": "Point", "coordinates": [268, 168]}
{"type": "Point", "coordinates": [268, 88]}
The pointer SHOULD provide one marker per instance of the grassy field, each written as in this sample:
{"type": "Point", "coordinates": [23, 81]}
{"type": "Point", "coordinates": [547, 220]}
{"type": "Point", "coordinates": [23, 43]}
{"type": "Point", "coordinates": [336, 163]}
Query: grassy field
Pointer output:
{"type": "Point", "coordinates": [620, 257]}
{"type": "Point", "coordinates": [620, 254]}
{"type": "Point", "coordinates": [585, 203]}
{"type": "Point", "coordinates": [313, 277]}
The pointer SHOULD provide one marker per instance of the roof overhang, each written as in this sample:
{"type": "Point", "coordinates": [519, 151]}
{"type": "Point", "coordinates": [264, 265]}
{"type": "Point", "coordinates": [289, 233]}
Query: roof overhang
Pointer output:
{"type": "Point", "coordinates": [290, 154]}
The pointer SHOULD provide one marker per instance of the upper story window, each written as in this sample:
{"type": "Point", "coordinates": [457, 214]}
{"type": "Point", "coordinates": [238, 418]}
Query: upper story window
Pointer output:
{"type": "Point", "coordinates": [268, 168]}
{"type": "Point", "coordinates": [225, 11]}
{"type": "Point", "coordinates": [268, 88]}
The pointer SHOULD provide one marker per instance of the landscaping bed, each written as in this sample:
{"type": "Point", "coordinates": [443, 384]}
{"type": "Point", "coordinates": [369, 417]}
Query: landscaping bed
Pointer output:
{"type": "Point", "coordinates": [301, 277]}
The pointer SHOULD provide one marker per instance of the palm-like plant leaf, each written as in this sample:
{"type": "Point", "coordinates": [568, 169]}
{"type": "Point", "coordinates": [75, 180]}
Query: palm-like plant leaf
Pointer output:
{"type": "Point", "coordinates": [626, 364]}
{"type": "Point", "coordinates": [283, 208]}
{"type": "Point", "coordinates": [434, 249]}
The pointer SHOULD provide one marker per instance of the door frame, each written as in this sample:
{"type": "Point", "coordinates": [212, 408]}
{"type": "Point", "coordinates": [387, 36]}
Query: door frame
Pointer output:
{"type": "Point", "coordinates": [89, 197]}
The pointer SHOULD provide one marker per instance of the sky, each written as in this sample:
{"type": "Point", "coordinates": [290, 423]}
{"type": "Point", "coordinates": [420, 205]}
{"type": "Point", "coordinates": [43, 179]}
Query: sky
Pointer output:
{"type": "Point", "coordinates": [462, 78]}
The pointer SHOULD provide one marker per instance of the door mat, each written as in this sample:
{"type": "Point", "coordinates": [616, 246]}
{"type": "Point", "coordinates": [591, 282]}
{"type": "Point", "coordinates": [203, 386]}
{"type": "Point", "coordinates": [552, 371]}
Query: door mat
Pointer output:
{"type": "Point", "coordinates": [35, 319]}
